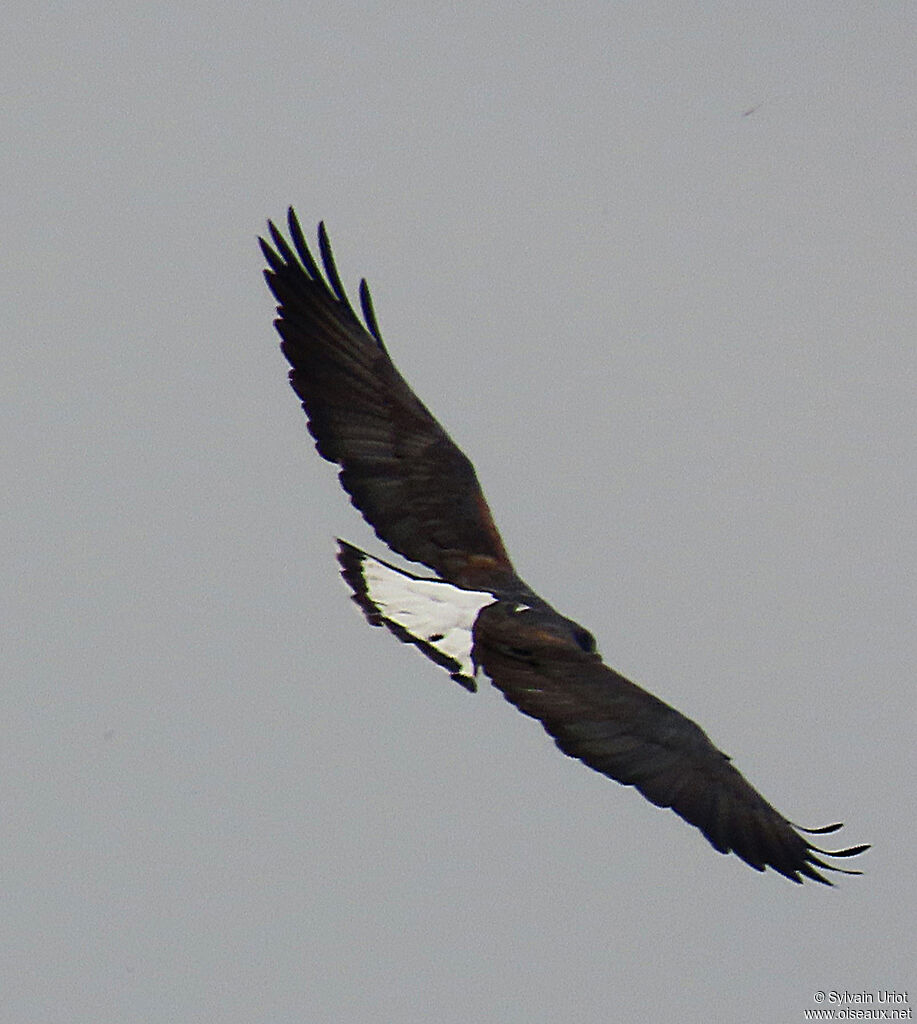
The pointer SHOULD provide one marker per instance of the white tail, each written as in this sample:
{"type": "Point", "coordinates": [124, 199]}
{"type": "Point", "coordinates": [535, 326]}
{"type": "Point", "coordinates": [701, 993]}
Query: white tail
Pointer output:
{"type": "Point", "coordinates": [435, 616]}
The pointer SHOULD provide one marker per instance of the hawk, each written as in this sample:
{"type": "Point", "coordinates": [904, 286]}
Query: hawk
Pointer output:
{"type": "Point", "coordinates": [420, 494]}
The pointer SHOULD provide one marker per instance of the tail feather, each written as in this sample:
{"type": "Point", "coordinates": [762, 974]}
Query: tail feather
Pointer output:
{"type": "Point", "coordinates": [436, 617]}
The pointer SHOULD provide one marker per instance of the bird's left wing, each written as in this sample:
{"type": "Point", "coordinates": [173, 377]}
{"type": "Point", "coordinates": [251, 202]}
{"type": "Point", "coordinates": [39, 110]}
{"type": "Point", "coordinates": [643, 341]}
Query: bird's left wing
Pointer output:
{"type": "Point", "coordinates": [624, 732]}
{"type": "Point", "coordinates": [412, 483]}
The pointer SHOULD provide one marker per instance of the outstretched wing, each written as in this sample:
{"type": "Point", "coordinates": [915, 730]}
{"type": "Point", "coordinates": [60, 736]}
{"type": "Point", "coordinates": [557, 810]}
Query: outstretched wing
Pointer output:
{"type": "Point", "coordinates": [615, 727]}
{"type": "Point", "coordinates": [413, 485]}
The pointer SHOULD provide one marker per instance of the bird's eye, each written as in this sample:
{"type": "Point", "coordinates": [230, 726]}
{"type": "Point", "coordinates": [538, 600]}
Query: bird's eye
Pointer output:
{"type": "Point", "coordinates": [584, 639]}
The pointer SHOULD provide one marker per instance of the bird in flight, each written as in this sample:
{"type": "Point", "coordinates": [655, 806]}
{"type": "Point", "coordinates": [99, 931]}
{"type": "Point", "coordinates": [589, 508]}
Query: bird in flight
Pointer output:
{"type": "Point", "coordinates": [420, 494]}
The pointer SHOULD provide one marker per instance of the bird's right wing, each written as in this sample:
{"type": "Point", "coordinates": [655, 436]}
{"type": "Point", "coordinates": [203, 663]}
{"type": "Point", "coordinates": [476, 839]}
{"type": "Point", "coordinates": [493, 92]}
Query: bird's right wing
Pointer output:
{"type": "Point", "coordinates": [414, 486]}
{"type": "Point", "coordinates": [624, 732]}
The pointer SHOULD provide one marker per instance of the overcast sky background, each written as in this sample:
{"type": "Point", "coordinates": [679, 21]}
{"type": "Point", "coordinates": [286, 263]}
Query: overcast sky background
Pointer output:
{"type": "Point", "coordinates": [653, 265]}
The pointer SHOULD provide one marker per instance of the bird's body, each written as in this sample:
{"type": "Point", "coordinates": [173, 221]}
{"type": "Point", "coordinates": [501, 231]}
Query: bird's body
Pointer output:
{"type": "Point", "coordinates": [421, 495]}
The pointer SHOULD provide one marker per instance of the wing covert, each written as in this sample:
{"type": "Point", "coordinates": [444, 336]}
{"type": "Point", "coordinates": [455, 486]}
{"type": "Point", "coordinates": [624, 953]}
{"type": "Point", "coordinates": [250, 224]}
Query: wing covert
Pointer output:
{"type": "Point", "coordinates": [411, 482]}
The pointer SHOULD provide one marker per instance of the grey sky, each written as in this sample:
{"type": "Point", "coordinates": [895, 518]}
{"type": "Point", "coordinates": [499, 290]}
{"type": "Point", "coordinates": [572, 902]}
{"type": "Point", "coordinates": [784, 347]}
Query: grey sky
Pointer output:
{"type": "Point", "coordinates": [678, 344]}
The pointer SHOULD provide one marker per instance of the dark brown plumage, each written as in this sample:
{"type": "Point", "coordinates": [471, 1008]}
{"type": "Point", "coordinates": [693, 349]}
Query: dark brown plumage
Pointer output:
{"type": "Point", "coordinates": [401, 469]}
{"type": "Point", "coordinates": [421, 495]}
